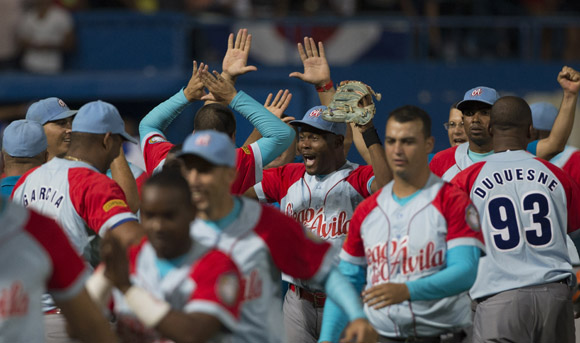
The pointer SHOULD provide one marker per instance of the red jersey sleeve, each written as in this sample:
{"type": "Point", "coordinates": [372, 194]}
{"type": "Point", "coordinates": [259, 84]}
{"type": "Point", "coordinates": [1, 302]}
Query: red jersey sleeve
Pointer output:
{"type": "Point", "coordinates": [572, 195]}
{"type": "Point", "coordinates": [353, 249]}
{"type": "Point", "coordinates": [68, 268]}
{"type": "Point", "coordinates": [276, 181]}
{"type": "Point", "coordinates": [359, 179]}
{"type": "Point", "coordinates": [21, 180]}
{"type": "Point", "coordinates": [295, 250]}
{"type": "Point", "coordinates": [463, 227]}
{"type": "Point", "coordinates": [155, 150]}
{"type": "Point", "coordinates": [218, 289]}
{"type": "Point", "coordinates": [572, 167]}
{"type": "Point", "coordinates": [99, 200]}
{"type": "Point", "coordinates": [466, 178]}
{"type": "Point", "coordinates": [442, 161]}
{"type": "Point", "coordinates": [246, 170]}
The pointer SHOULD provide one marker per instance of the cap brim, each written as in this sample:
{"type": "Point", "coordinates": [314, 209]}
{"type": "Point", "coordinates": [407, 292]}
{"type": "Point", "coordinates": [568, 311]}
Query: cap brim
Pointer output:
{"type": "Point", "coordinates": [461, 105]}
{"type": "Point", "coordinates": [128, 137]}
{"type": "Point", "coordinates": [63, 115]}
{"type": "Point", "coordinates": [314, 125]}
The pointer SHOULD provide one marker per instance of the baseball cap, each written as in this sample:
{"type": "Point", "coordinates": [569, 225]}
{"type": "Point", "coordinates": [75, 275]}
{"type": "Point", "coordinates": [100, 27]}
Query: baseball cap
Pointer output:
{"type": "Point", "coordinates": [479, 94]}
{"type": "Point", "coordinates": [313, 118]}
{"type": "Point", "coordinates": [100, 117]}
{"type": "Point", "coordinates": [24, 138]}
{"type": "Point", "coordinates": [49, 109]}
{"type": "Point", "coordinates": [543, 115]}
{"type": "Point", "coordinates": [213, 146]}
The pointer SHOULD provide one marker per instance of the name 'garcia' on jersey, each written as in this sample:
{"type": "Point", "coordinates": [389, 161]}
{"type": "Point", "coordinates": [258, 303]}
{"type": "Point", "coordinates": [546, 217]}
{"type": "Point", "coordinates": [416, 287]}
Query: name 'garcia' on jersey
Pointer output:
{"type": "Point", "coordinates": [512, 175]}
{"type": "Point", "coordinates": [45, 194]}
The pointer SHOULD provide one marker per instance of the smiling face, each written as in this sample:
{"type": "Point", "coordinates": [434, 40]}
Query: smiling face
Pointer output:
{"type": "Point", "coordinates": [58, 135]}
{"type": "Point", "coordinates": [318, 149]}
{"type": "Point", "coordinates": [407, 148]}
{"type": "Point", "coordinates": [476, 123]}
{"type": "Point", "coordinates": [455, 129]}
{"type": "Point", "coordinates": [165, 215]}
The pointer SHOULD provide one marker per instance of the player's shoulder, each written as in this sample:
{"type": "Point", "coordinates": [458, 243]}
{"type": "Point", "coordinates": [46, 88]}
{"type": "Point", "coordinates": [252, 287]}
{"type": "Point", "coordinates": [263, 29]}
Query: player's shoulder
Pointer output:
{"type": "Point", "coordinates": [368, 204]}
{"type": "Point", "coordinates": [24, 178]}
{"type": "Point", "coordinates": [290, 171]}
{"type": "Point", "coordinates": [443, 160]}
{"type": "Point", "coordinates": [44, 230]}
{"type": "Point", "coordinates": [558, 173]}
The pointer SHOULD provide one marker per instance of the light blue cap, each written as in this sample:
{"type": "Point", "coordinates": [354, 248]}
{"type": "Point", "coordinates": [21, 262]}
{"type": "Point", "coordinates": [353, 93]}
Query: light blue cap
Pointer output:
{"type": "Point", "coordinates": [213, 146]}
{"type": "Point", "coordinates": [49, 109]}
{"type": "Point", "coordinates": [479, 94]}
{"type": "Point", "coordinates": [313, 117]}
{"type": "Point", "coordinates": [543, 115]}
{"type": "Point", "coordinates": [100, 117]}
{"type": "Point", "coordinates": [24, 138]}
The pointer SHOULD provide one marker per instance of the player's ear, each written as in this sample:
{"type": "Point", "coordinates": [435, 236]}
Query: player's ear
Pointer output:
{"type": "Point", "coordinates": [430, 144]}
{"type": "Point", "coordinates": [338, 141]}
{"type": "Point", "coordinates": [532, 133]}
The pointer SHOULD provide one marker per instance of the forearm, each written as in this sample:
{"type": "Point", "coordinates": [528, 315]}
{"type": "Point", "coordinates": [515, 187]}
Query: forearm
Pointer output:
{"type": "Point", "coordinates": [122, 174]}
{"type": "Point", "coordinates": [378, 158]}
{"type": "Point", "coordinates": [335, 317]}
{"type": "Point", "coordinates": [326, 96]}
{"type": "Point", "coordinates": [359, 143]}
{"type": "Point", "coordinates": [276, 135]}
{"type": "Point", "coordinates": [457, 277]}
{"type": "Point", "coordinates": [253, 137]}
{"type": "Point", "coordinates": [163, 114]}
{"type": "Point", "coordinates": [556, 141]}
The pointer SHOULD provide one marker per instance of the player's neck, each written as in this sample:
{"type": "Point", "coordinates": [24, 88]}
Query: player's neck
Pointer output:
{"type": "Point", "coordinates": [481, 149]}
{"type": "Point", "coordinates": [215, 213]}
{"type": "Point", "coordinates": [509, 143]}
{"type": "Point", "coordinates": [86, 158]}
{"type": "Point", "coordinates": [403, 186]}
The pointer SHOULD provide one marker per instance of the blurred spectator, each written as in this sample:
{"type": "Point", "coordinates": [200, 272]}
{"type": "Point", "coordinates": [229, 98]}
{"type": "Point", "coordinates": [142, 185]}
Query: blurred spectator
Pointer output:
{"type": "Point", "coordinates": [45, 33]}
{"type": "Point", "coordinates": [10, 14]}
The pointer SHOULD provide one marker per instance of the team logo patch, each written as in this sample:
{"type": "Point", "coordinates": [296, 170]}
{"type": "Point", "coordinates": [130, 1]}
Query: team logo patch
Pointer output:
{"type": "Point", "coordinates": [472, 218]}
{"type": "Point", "coordinates": [315, 113]}
{"type": "Point", "coordinates": [228, 288]}
{"type": "Point", "coordinates": [476, 92]}
{"type": "Point", "coordinates": [61, 103]}
{"type": "Point", "coordinates": [203, 140]}
{"type": "Point", "coordinates": [114, 203]}
{"type": "Point", "coordinates": [246, 150]}
{"type": "Point", "coordinates": [156, 139]}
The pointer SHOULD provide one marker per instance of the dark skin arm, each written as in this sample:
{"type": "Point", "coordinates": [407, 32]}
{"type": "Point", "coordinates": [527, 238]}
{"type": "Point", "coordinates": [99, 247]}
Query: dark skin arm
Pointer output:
{"type": "Point", "coordinates": [176, 325]}
{"type": "Point", "coordinates": [378, 160]}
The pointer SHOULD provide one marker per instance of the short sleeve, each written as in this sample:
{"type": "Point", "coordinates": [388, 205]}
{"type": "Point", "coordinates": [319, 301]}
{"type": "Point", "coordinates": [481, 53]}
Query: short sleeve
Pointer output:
{"type": "Point", "coordinates": [359, 179]}
{"type": "Point", "coordinates": [99, 200]}
{"type": "Point", "coordinates": [353, 250]}
{"type": "Point", "coordinates": [271, 185]}
{"type": "Point", "coordinates": [248, 168]}
{"type": "Point", "coordinates": [155, 149]}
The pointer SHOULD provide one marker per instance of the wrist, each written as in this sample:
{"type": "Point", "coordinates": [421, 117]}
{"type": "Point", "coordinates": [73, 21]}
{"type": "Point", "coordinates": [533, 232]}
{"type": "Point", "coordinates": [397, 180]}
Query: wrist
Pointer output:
{"type": "Point", "coordinates": [370, 136]}
{"type": "Point", "coordinates": [147, 308]}
{"type": "Point", "coordinates": [324, 87]}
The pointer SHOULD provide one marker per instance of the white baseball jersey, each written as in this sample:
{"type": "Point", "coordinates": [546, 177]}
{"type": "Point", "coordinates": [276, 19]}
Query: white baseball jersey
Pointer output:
{"type": "Point", "coordinates": [322, 204]}
{"type": "Point", "coordinates": [81, 199]}
{"type": "Point", "coordinates": [527, 206]}
{"type": "Point", "coordinates": [36, 256]}
{"type": "Point", "coordinates": [449, 162]}
{"type": "Point", "coordinates": [204, 281]}
{"type": "Point", "coordinates": [405, 243]}
{"type": "Point", "coordinates": [248, 161]}
{"type": "Point", "coordinates": [262, 241]}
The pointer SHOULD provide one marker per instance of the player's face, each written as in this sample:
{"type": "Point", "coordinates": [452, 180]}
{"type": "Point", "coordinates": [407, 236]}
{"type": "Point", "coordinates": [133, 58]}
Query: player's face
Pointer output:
{"type": "Point", "coordinates": [316, 149]}
{"type": "Point", "coordinates": [407, 148]}
{"type": "Point", "coordinates": [209, 184]}
{"type": "Point", "coordinates": [476, 117]}
{"type": "Point", "coordinates": [455, 130]}
{"type": "Point", "coordinates": [58, 134]}
{"type": "Point", "coordinates": [165, 215]}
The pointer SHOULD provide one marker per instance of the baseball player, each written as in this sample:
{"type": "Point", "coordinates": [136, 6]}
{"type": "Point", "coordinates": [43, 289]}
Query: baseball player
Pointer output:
{"type": "Point", "coordinates": [56, 118]}
{"type": "Point", "coordinates": [454, 127]}
{"type": "Point", "coordinates": [476, 106]}
{"type": "Point", "coordinates": [321, 194]}
{"type": "Point", "coordinates": [250, 159]}
{"type": "Point", "coordinates": [37, 257]}
{"type": "Point", "coordinates": [23, 148]}
{"type": "Point", "coordinates": [527, 205]}
{"type": "Point", "coordinates": [170, 287]}
{"type": "Point", "coordinates": [261, 240]}
{"type": "Point", "coordinates": [543, 116]}
{"type": "Point", "coordinates": [415, 243]}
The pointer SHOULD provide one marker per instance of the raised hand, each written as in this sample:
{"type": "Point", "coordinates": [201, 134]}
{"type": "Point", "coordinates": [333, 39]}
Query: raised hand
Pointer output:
{"type": "Point", "coordinates": [280, 103]}
{"type": "Point", "coordinates": [385, 294]}
{"type": "Point", "coordinates": [194, 90]}
{"type": "Point", "coordinates": [221, 90]}
{"type": "Point", "coordinates": [569, 79]}
{"type": "Point", "coordinates": [236, 58]}
{"type": "Point", "coordinates": [316, 69]}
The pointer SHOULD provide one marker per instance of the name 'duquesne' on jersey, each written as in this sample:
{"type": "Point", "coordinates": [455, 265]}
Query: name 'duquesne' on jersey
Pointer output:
{"type": "Point", "coordinates": [512, 175]}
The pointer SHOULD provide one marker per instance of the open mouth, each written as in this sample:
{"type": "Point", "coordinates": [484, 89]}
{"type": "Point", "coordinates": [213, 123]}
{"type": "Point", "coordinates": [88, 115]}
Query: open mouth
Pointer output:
{"type": "Point", "coordinates": [459, 140]}
{"type": "Point", "coordinates": [309, 160]}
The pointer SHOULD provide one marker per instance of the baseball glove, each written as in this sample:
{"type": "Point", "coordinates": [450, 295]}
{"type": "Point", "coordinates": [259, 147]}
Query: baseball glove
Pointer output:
{"type": "Point", "coordinates": [344, 106]}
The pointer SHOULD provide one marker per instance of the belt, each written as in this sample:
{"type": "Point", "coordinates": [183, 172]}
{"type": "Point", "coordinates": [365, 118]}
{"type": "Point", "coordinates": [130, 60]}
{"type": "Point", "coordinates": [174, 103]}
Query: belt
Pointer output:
{"type": "Point", "coordinates": [316, 298]}
{"type": "Point", "coordinates": [562, 281]}
{"type": "Point", "coordinates": [55, 310]}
